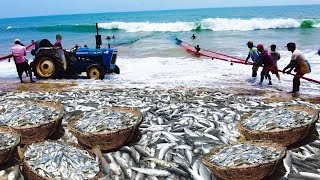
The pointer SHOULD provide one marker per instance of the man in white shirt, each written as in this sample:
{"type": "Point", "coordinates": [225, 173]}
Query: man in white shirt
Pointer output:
{"type": "Point", "coordinates": [297, 59]}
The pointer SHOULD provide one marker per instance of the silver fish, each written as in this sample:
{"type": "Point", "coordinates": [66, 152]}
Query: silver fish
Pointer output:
{"type": "Point", "coordinates": [6, 140]}
{"type": "Point", "coordinates": [59, 161]}
{"type": "Point", "coordinates": [20, 114]}
{"type": "Point", "coordinates": [103, 120]}
{"type": "Point", "coordinates": [241, 154]}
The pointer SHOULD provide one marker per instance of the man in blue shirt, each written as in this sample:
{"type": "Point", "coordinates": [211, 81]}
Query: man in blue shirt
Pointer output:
{"type": "Point", "coordinates": [253, 54]}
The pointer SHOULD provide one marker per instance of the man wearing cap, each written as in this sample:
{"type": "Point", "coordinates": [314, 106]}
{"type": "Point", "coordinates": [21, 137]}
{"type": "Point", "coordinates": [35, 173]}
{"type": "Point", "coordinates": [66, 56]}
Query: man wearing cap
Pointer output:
{"type": "Point", "coordinates": [299, 64]}
{"type": "Point", "coordinates": [253, 54]}
{"type": "Point", "coordinates": [19, 52]}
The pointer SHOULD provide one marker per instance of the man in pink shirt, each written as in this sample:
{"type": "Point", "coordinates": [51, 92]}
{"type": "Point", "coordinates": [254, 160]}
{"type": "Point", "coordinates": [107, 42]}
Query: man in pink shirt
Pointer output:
{"type": "Point", "coordinates": [19, 52]}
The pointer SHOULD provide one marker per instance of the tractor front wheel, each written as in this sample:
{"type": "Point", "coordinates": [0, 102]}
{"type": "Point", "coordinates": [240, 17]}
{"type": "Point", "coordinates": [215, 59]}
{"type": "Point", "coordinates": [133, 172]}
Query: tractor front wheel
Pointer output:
{"type": "Point", "coordinates": [95, 72]}
{"type": "Point", "coordinates": [116, 69]}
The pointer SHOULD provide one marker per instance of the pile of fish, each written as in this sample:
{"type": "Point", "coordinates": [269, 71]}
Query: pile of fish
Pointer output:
{"type": "Point", "coordinates": [179, 127]}
{"type": "Point", "coordinates": [274, 118]}
{"type": "Point", "coordinates": [105, 120]}
{"type": "Point", "coordinates": [57, 161]}
{"type": "Point", "coordinates": [22, 114]}
{"type": "Point", "coordinates": [244, 154]}
{"type": "Point", "coordinates": [6, 140]}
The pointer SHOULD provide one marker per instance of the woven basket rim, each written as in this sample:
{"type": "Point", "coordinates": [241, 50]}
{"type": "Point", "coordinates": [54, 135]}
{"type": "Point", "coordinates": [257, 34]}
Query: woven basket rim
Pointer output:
{"type": "Point", "coordinates": [24, 162]}
{"type": "Point", "coordinates": [16, 135]}
{"type": "Point", "coordinates": [266, 143]}
{"type": "Point", "coordinates": [53, 104]}
{"type": "Point", "coordinates": [315, 118]}
{"type": "Point", "coordinates": [74, 119]}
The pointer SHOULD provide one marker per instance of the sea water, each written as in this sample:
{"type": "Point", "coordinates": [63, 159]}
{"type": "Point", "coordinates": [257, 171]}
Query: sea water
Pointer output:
{"type": "Point", "coordinates": [150, 56]}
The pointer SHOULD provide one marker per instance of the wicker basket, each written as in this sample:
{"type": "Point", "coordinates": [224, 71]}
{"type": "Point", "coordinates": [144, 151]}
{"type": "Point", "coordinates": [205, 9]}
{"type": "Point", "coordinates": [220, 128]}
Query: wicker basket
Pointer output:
{"type": "Point", "coordinates": [31, 174]}
{"type": "Point", "coordinates": [40, 132]}
{"type": "Point", "coordinates": [5, 154]}
{"type": "Point", "coordinates": [245, 172]}
{"type": "Point", "coordinates": [107, 140]}
{"type": "Point", "coordinates": [285, 137]}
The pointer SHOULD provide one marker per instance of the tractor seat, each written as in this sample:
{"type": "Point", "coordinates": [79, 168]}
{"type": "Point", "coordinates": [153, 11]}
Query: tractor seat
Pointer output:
{"type": "Point", "coordinates": [43, 43]}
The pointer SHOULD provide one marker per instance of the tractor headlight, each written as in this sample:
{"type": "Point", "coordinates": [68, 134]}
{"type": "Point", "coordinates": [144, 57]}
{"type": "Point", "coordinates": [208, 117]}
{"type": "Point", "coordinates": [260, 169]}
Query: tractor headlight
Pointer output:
{"type": "Point", "coordinates": [107, 52]}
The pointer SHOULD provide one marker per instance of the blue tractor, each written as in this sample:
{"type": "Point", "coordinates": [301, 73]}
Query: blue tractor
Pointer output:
{"type": "Point", "coordinates": [53, 62]}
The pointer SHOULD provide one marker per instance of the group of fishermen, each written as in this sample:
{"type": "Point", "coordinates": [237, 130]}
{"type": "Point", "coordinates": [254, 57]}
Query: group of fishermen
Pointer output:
{"type": "Point", "coordinates": [268, 60]}
{"type": "Point", "coordinates": [258, 54]}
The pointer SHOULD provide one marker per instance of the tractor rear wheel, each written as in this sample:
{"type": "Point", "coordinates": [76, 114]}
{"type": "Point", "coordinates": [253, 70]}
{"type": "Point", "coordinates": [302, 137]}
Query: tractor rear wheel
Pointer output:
{"type": "Point", "coordinates": [95, 72]}
{"type": "Point", "coordinates": [46, 67]}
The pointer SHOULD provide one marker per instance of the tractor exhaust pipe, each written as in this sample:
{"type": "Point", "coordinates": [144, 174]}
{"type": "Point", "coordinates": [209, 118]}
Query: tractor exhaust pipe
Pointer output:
{"type": "Point", "coordinates": [98, 38]}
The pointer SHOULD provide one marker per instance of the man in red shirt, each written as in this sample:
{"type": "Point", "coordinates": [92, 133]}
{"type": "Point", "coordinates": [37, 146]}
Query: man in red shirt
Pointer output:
{"type": "Point", "coordinates": [19, 52]}
{"type": "Point", "coordinates": [266, 61]}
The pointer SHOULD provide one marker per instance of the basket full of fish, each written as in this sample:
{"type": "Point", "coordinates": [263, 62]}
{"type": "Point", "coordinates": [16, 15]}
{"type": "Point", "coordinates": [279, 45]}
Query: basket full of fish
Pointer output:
{"type": "Point", "coordinates": [54, 160]}
{"type": "Point", "coordinates": [108, 127]}
{"type": "Point", "coordinates": [285, 125]}
{"type": "Point", "coordinates": [34, 120]}
{"type": "Point", "coordinates": [9, 140]}
{"type": "Point", "coordinates": [250, 160]}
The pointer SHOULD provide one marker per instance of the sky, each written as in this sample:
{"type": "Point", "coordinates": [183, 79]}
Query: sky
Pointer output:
{"type": "Point", "coordinates": [26, 8]}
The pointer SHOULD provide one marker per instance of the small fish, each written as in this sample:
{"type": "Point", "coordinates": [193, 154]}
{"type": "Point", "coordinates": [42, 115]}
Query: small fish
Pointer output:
{"type": "Point", "coordinates": [152, 172]}
{"type": "Point", "coordinates": [6, 140]}
{"type": "Point", "coordinates": [17, 114]}
{"type": "Point", "coordinates": [104, 120]}
{"type": "Point", "coordinates": [240, 154]}
{"type": "Point", "coordinates": [70, 161]}
{"type": "Point", "coordinates": [273, 118]}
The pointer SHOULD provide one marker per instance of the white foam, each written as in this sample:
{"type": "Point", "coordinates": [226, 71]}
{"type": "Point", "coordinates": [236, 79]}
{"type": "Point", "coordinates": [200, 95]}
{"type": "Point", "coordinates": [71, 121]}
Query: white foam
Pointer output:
{"type": "Point", "coordinates": [148, 27]}
{"type": "Point", "coordinates": [214, 24]}
{"type": "Point", "coordinates": [223, 24]}
{"type": "Point", "coordinates": [8, 70]}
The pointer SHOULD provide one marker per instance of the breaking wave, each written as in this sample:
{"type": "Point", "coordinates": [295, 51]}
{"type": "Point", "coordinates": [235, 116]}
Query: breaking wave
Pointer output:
{"type": "Point", "coordinates": [214, 24]}
{"type": "Point", "coordinates": [211, 24]}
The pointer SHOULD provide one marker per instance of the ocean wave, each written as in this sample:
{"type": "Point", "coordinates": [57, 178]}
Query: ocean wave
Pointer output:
{"type": "Point", "coordinates": [310, 23]}
{"type": "Point", "coordinates": [150, 27]}
{"type": "Point", "coordinates": [221, 24]}
{"type": "Point", "coordinates": [214, 24]}
{"type": "Point", "coordinates": [72, 28]}
{"type": "Point", "coordinates": [211, 24]}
